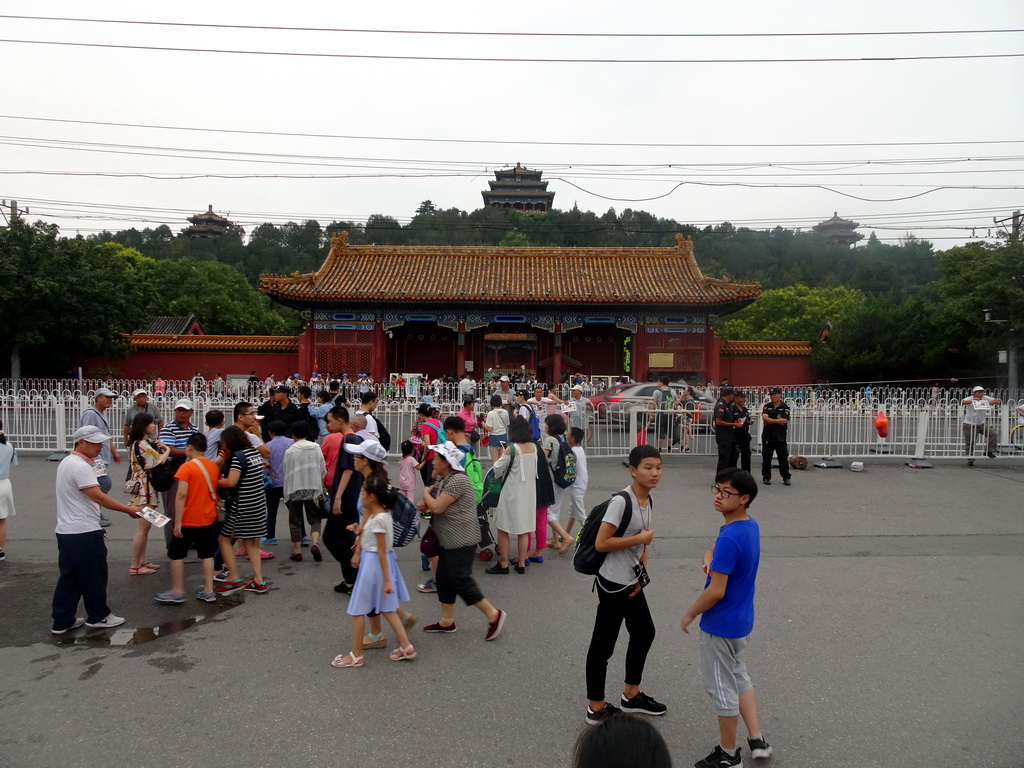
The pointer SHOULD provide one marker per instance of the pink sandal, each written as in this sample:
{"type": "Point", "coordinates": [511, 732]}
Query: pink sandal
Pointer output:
{"type": "Point", "coordinates": [408, 653]}
{"type": "Point", "coordinates": [347, 660]}
{"type": "Point", "coordinates": [154, 566]}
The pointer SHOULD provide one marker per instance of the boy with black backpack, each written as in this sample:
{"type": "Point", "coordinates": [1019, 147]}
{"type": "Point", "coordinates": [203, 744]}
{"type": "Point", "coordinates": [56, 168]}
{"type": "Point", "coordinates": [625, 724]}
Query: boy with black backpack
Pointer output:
{"type": "Point", "coordinates": [619, 555]}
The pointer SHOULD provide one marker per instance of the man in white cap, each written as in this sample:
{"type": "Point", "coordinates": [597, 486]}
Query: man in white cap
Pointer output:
{"type": "Point", "coordinates": [96, 416]}
{"type": "Point", "coordinates": [175, 436]}
{"type": "Point", "coordinates": [582, 411]}
{"type": "Point", "coordinates": [503, 391]}
{"type": "Point", "coordinates": [977, 408]}
{"type": "Point", "coordinates": [142, 405]}
{"type": "Point", "coordinates": [81, 546]}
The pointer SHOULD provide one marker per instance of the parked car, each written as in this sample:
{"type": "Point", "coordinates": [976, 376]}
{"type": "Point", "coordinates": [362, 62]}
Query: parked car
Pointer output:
{"type": "Point", "coordinates": [615, 403]}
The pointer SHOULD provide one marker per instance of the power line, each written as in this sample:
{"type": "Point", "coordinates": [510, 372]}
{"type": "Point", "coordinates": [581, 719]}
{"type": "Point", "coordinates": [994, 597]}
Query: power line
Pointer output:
{"type": "Point", "coordinates": [508, 141]}
{"type": "Point", "coordinates": [517, 34]}
{"type": "Point", "coordinates": [517, 60]}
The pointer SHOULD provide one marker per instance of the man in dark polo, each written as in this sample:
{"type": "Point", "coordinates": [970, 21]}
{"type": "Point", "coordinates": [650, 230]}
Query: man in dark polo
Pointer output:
{"type": "Point", "coordinates": [142, 405]}
{"type": "Point", "coordinates": [775, 415]}
{"type": "Point", "coordinates": [726, 425]}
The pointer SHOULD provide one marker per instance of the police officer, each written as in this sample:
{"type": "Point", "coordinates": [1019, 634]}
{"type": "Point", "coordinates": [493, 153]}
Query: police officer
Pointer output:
{"type": "Point", "coordinates": [775, 415]}
{"type": "Point", "coordinates": [726, 426]}
{"type": "Point", "coordinates": [743, 433]}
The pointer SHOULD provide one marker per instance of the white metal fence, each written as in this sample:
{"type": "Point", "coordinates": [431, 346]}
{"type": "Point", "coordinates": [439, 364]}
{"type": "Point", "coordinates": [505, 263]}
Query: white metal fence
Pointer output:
{"type": "Point", "coordinates": [44, 417]}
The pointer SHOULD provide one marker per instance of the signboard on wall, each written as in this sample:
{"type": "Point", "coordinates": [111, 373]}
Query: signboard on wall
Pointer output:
{"type": "Point", "coordinates": [661, 360]}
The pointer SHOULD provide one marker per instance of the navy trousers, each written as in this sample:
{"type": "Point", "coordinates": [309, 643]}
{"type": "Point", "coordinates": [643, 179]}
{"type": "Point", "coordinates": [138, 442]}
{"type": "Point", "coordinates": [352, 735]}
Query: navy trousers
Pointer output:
{"type": "Point", "coordinates": [82, 559]}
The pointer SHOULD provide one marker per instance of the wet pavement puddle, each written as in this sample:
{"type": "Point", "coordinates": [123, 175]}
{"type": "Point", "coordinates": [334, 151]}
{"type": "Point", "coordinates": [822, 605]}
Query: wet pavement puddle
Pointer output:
{"type": "Point", "coordinates": [140, 636]}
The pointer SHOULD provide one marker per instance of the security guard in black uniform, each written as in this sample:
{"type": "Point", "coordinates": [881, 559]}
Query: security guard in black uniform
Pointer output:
{"type": "Point", "coordinates": [725, 428]}
{"type": "Point", "coordinates": [775, 415]}
{"type": "Point", "coordinates": [743, 432]}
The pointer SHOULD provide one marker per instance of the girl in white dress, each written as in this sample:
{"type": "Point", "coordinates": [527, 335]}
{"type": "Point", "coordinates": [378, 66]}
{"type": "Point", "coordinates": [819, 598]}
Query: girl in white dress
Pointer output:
{"type": "Point", "coordinates": [379, 585]}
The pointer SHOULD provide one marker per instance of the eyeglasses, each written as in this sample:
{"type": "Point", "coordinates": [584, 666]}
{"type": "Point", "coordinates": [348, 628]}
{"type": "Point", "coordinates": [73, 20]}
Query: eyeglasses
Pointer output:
{"type": "Point", "coordinates": [723, 492]}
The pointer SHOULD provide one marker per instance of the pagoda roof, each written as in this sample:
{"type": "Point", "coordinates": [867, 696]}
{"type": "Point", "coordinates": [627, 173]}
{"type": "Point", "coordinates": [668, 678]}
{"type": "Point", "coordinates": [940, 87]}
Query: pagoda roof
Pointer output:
{"type": "Point", "coordinates": [209, 218]}
{"type": "Point", "coordinates": [372, 274]}
{"type": "Point", "coordinates": [836, 221]}
{"type": "Point", "coordinates": [173, 324]}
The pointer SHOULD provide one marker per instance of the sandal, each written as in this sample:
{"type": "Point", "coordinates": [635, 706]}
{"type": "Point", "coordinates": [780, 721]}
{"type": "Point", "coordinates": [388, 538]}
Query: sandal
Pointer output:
{"type": "Point", "coordinates": [410, 620]}
{"type": "Point", "coordinates": [374, 641]}
{"type": "Point", "coordinates": [154, 566]}
{"type": "Point", "coordinates": [140, 570]}
{"type": "Point", "coordinates": [408, 653]}
{"type": "Point", "coordinates": [347, 660]}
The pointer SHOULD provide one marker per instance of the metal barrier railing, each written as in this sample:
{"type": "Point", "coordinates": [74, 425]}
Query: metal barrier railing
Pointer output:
{"type": "Point", "coordinates": [44, 419]}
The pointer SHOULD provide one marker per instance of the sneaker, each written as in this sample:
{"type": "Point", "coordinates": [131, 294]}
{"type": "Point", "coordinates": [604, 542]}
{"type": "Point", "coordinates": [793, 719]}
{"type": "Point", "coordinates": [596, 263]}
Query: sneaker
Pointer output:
{"type": "Point", "coordinates": [720, 759]}
{"type": "Point", "coordinates": [766, 480]}
{"type": "Point", "coordinates": [316, 553]}
{"type": "Point", "coordinates": [305, 541]}
{"type": "Point", "coordinates": [759, 749]}
{"type": "Point", "coordinates": [498, 568]}
{"type": "Point", "coordinates": [596, 718]}
{"type": "Point", "coordinates": [206, 597]}
{"type": "Point", "coordinates": [787, 481]}
{"type": "Point", "coordinates": [227, 587]}
{"type": "Point", "coordinates": [110, 621]}
{"type": "Point", "coordinates": [259, 587]}
{"type": "Point", "coordinates": [343, 588]}
{"type": "Point", "coordinates": [439, 627]}
{"type": "Point", "coordinates": [642, 704]}
{"type": "Point", "coordinates": [991, 454]}
{"type": "Point", "coordinates": [3, 555]}
{"type": "Point", "coordinates": [428, 587]}
{"type": "Point", "coordinates": [424, 562]}
{"type": "Point", "coordinates": [170, 598]}
{"type": "Point", "coordinates": [494, 627]}
{"type": "Point", "coordinates": [268, 541]}
{"type": "Point", "coordinates": [222, 576]}
{"type": "Point", "coordinates": [104, 521]}
{"type": "Point", "coordinates": [76, 625]}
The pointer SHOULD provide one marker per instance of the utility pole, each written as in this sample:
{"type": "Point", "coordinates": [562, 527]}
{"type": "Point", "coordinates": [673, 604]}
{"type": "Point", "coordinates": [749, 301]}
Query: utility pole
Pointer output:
{"type": "Point", "coordinates": [13, 207]}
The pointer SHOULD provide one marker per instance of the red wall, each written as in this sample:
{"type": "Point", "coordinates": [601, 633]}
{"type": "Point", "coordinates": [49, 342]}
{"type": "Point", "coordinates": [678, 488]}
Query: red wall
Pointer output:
{"type": "Point", "coordinates": [765, 371]}
{"type": "Point", "coordinates": [183, 365]}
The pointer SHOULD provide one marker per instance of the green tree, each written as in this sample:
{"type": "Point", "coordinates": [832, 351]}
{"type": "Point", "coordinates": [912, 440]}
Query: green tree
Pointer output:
{"type": "Point", "coordinates": [63, 299]}
{"type": "Point", "coordinates": [794, 313]}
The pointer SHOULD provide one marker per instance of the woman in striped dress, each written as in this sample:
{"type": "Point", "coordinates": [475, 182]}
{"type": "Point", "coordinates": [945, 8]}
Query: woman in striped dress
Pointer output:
{"type": "Point", "coordinates": [246, 518]}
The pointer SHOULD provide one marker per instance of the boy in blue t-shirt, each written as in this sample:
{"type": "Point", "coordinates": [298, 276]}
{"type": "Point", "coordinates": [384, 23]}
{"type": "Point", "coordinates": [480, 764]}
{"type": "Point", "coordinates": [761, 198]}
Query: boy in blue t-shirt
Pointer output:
{"type": "Point", "coordinates": [727, 605]}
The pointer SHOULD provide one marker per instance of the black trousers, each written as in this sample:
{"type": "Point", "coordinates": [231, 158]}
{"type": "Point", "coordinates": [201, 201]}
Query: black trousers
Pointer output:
{"type": "Point", "coordinates": [82, 559]}
{"type": "Point", "coordinates": [728, 453]}
{"type": "Point", "coordinates": [612, 609]}
{"type": "Point", "coordinates": [455, 576]}
{"type": "Point", "coordinates": [779, 447]}
{"type": "Point", "coordinates": [274, 497]}
{"type": "Point", "coordinates": [339, 541]}
{"type": "Point", "coordinates": [743, 446]}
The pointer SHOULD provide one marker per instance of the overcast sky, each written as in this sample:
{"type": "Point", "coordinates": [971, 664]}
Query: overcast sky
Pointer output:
{"type": "Point", "coordinates": [932, 146]}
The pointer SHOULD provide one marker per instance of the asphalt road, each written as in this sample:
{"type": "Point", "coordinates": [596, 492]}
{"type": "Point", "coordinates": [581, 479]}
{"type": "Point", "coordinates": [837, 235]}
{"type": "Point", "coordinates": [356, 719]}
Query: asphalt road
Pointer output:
{"type": "Point", "coordinates": [889, 618]}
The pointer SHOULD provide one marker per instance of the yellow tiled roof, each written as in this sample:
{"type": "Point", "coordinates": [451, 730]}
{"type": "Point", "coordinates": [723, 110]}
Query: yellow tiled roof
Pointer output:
{"type": "Point", "coordinates": [404, 274]}
{"type": "Point", "coordinates": [186, 343]}
{"type": "Point", "coordinates": [765, 348]}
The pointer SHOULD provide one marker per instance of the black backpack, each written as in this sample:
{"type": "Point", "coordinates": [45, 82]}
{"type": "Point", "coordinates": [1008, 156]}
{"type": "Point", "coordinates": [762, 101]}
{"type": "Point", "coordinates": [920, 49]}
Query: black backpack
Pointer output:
{"type": "Point", "coordinates": [564, 472]}
{"type": "Point", "coordinates": [586, 559]}
{"type": "Point", "coordinates": [385, 436]}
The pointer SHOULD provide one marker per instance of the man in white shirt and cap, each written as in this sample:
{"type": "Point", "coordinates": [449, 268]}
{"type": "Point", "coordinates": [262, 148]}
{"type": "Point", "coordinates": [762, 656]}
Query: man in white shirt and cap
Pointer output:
{"type": "Point", "coordinates": [977, 408]}
{"type": "Point", "coordinates": [81, 544]}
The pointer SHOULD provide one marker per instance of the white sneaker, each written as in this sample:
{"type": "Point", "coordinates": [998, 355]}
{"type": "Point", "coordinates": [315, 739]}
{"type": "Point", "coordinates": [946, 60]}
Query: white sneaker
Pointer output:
{"type": "Point", "coordinates": [107, 623]}
{"type": "Point", "coordinates": [78, 622]}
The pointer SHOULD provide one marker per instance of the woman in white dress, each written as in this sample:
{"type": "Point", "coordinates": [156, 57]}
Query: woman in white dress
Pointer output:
{"type": "Point", "coordinates": [8, 458]}
{"type": "Point", "coordinates": [517, 506]}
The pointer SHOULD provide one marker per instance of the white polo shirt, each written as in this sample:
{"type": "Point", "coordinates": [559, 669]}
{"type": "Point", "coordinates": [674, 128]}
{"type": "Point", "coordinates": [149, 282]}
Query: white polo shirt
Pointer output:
{"type": "Point", "coordinates": [76, 512]}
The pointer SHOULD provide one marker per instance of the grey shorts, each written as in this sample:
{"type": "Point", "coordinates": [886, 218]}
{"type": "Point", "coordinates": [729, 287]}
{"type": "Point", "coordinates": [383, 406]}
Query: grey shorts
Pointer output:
{"type": "Point", "coordinates": [723, 669]}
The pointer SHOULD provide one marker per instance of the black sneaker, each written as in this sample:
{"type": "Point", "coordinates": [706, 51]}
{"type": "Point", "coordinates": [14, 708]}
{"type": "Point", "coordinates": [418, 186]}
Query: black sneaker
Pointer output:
{"type": "Point", "coordinates": [759, 749]}
{"type": "Point", "coordinates": [720, 759]}
{"type": "Point", "coordinates": [766, 480]}
{"type": "Point", "coordinates": [642, 704]}
{"type": "Point", "coordinates": [343, 588]}
{"type": "Point", "coordinates": [596, 718]}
